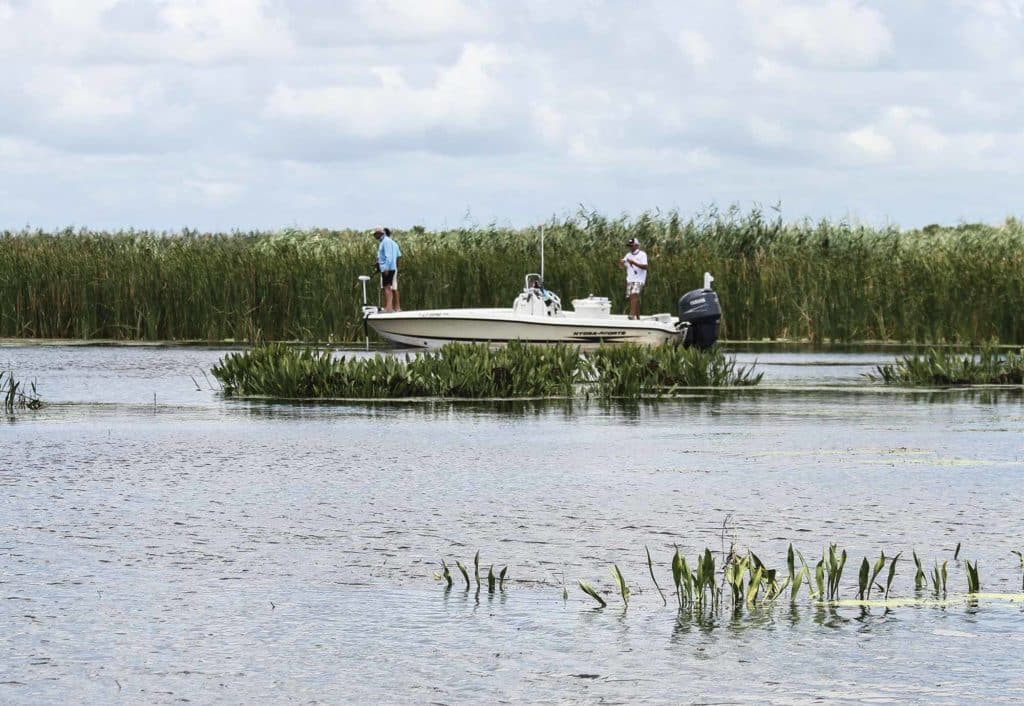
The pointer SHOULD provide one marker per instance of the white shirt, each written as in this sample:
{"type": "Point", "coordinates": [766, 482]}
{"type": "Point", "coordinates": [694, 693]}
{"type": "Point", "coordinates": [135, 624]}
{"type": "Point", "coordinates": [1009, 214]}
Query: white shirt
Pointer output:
{"type": "Point", "coordinates": [633, 273]}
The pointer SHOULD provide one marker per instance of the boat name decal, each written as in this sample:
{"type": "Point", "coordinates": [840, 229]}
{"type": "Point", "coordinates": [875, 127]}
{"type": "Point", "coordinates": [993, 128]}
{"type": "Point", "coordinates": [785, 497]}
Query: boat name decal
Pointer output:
{"type": "Point", "coordinates": [604, 334]}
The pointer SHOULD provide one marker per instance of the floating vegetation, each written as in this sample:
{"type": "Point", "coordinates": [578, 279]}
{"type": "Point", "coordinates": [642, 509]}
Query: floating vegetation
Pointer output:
{"type": "Point", "coordinates": [743, 581]}
{"type": "Point", "coordinates": [494, 582]}
{"type": "Point", "coordinates": [987, 366]}
{"type": "Point", "coordinates": [474, 370]}
{"type": "Point", "coordinates": [797, 280]}
{"type": "Point", "coordinates": [628, 371]}
{"type": "Point", "coordinates": [15, 396]}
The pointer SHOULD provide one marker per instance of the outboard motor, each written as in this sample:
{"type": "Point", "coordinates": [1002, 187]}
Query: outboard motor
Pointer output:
{"type": "Point", "coordinates": [699, 316]}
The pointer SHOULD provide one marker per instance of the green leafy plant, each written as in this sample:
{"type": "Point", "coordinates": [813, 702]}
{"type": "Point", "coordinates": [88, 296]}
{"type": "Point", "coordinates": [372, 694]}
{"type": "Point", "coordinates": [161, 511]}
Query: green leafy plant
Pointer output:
{"type": "Point", "coordinates": [943, 367]}
{"type": "Point", "coordinates": [464, 370]}
{"type": "Point", "coordinates": [620, 581]}
{"type": "Point", "coordinates": [650, 568]}
{"type": "Point", "coordinates": [462, 570]}
{"type": "Point", "coordinates": [973, 582]}
{"type": "Point", "coordinates": [589, 590]}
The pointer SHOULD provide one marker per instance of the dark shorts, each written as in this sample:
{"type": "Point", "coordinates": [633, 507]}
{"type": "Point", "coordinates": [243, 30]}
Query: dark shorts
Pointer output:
{"type": "Point", "coordinates": [387, 277]}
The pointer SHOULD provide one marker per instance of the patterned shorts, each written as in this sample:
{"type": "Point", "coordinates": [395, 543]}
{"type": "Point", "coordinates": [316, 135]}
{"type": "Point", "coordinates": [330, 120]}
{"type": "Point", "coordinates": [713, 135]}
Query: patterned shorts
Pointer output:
{"type": "Point", "coordinates": [634, 288]}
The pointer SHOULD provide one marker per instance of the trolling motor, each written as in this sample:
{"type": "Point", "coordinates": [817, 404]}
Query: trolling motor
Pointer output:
{"type": "Point", "coordinates": [699, 316]}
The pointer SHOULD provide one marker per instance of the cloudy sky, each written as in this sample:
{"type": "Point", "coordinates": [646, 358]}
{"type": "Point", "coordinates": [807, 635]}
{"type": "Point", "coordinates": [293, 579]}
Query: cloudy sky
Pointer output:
{"type": "Point", "coordinates": [222, 114]}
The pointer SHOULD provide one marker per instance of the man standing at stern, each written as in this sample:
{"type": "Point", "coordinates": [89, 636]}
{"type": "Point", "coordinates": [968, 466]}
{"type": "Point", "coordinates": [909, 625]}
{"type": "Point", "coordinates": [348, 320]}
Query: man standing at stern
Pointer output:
{"type": "Point", "coordinates": [388, 254]}
{"type": "Point", "coordinates": [635, 264]}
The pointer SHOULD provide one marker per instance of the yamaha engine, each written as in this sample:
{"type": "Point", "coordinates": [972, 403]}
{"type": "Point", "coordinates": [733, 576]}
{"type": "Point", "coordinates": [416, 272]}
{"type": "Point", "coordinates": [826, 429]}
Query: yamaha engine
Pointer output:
{"type": "Point", "coordinates": [699, 316]}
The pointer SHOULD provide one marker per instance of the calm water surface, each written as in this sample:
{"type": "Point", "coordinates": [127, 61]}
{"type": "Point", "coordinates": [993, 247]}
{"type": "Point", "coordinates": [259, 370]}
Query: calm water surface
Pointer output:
{"type": "Point", "coordinates": [163, 544]}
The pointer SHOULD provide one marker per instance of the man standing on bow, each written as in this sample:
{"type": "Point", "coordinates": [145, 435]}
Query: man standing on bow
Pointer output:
{"type": "Point", "coordinates": [388, 255]}
{"type": "Point", "coordinates": [635, 264]}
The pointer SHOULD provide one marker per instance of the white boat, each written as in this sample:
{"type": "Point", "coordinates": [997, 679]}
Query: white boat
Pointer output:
{"type": "Point", "coordinates": [536, 316]}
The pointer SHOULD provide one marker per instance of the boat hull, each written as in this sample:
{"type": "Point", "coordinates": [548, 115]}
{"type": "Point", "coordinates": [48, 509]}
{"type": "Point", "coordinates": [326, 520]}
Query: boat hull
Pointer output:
{"type": "Point", "coordinates": [432, 329]}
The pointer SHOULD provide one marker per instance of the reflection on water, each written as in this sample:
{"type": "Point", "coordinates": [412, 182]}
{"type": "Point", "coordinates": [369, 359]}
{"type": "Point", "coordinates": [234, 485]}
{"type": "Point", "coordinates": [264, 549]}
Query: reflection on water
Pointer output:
{"type": "Point", "coordinates": [198, 548]}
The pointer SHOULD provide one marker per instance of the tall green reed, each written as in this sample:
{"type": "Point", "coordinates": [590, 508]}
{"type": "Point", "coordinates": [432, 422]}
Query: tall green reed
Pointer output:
{"type": "Point", "coordinates": [776, 279]}
{"type": "Point", "coordinates": [14, 396]}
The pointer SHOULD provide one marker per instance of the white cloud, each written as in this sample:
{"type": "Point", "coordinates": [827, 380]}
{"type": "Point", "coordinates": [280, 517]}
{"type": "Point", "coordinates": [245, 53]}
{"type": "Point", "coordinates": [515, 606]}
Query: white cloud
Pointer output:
{"type": "Point", "coordinates": [405, 20]}
{"type": "Point", "coordinates": [829, 34]}
{"type": "Point", "coordinates": [769, 133]}
{"type": "Point", "coordinates": [908, 135]}
{"type": "Point", "coordinates": [254, 112]}
{"type": "Point", "coordinates": [190, 31]}
{"type": "Point", "coordinates": [695, 47]}
{"type": "Point", "coordinates": [462, 95]}
{"type": "Point", "coordinates": [867, 143]}
{"type": "Point", "coordinates": [202, 31]}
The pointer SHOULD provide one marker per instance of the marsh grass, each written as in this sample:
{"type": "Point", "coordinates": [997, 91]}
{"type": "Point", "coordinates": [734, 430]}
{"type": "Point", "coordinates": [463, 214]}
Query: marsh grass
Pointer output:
{"type": "Point", "coordinates": [14, 396]}
{"type": "Point", "coordinates": [744, 583]}
{"type": "Point", "coordinates": [793, 280]}
{"type": "Point", "coordinates": [494, 582]}
{"type": "Point", "coordinates": [465, 370]}
{"type": "Point", "coordinates": [943, 367]}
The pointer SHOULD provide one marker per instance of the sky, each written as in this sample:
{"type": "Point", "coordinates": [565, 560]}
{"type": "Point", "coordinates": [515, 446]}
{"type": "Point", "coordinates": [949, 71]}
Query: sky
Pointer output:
{"type": "Point", "coordinates": [267, 114]}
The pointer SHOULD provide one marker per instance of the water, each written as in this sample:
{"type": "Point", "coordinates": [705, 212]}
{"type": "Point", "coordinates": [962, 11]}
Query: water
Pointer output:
{"type": "Point", "coordinates": [162, 544]}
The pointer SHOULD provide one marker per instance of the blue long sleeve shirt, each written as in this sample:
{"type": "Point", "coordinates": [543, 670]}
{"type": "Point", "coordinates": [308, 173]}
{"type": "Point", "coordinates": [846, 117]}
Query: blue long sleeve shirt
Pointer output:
{"type": "Point", "coordinates": [388, 254]}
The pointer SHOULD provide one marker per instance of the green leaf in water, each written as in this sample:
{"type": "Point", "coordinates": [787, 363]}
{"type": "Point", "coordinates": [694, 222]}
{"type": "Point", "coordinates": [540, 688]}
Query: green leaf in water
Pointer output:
{"type": "Point", "coordinates": [621, 582]}
{"type": "Point", "coordinates": [650, 568]}
{"type": "Point", "coordinates": [465, 574]}
{"type": "Point", "coordinates": [892, 574]}
{"type": "Point", "coordinates": [589, 590]}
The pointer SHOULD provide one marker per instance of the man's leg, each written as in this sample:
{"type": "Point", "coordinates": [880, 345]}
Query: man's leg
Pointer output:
{"type": "Point", "coordinates": [387, 298]}
{"type": "Point", "coordinates": [634, 306]}
{"type": "Point", "coordinates": [394, 293]}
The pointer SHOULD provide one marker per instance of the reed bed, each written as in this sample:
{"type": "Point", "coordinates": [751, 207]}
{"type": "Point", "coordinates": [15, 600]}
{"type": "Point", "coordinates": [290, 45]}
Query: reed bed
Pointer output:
{"type": "Point", "coordinates": [14, 396]}
{"type": "Point", "coordinates": [944, 367]}
{"type": "Point", "coordinates": [468, 370]}
{"type": "Point", "coordinates": [711, 582]}
{"type": "Point", "coordinates": [790, 280]}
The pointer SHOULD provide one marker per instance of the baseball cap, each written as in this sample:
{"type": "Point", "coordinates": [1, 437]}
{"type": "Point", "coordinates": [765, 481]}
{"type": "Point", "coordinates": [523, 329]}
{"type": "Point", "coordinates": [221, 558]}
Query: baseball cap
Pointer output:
{"type": "Point", "coordinates": [378, 231]}
{"type": "Point", "coordinates": [632, 241]}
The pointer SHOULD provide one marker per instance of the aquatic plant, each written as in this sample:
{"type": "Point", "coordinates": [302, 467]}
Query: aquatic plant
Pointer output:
{"type": "Point", "coordinates": [589, 590]}
{"type": "Point", "coordinates": [620, 581]}
{"type": "Point", "coordinates": [939, 578]}
{"type": "Point", "coordinates": [797, 577]}
{"type": "Point", "coordinates": [650, 568]}
{"type": "Point", "coordinates": [776, 279]}
{"type": "Point", "coordinates": [629, 371]}
{"type": "Point", "coordinates": [492, 580]}
{"type": "Point", "coordinates": [987, 366]}
{"type": "Point", "coordinates": [920, 578]}
{"type": "Point", "coordinates": [868, 574]}
{"type": "Point", "coordinates": [462, 570]}
{"type": "Point", "coordinates": [469, 370]}
{"type": "Point", "coordinates": [829, 572]}
{"type": "Point", "coordinates": [752, 585]}
{"type": "Point", "coordinates": [973, 582]}
{"type": "Point", "coordinates": [892, 574]}
{"type": "Point", "coordinates": [14, 396]}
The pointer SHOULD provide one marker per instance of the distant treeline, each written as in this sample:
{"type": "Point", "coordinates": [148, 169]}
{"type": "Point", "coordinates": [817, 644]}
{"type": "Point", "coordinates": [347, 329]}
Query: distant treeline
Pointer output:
{"type": "Point", "coordinates": [805, 280]}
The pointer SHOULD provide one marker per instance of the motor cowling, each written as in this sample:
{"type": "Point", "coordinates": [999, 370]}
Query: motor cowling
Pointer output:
{"type": "Point", "coordinates": [699, 317]}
